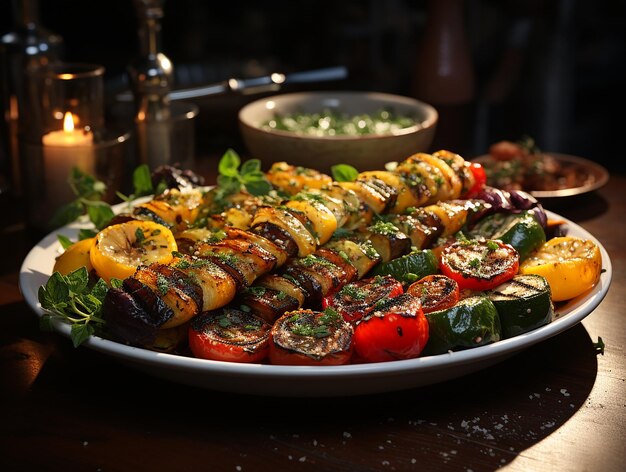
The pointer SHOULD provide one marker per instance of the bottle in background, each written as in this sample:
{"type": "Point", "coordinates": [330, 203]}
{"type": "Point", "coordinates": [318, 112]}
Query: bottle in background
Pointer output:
{"type": "Point", "coordinates": [27, 47]}
{"type": "Point", "coordinates": [444, 73]}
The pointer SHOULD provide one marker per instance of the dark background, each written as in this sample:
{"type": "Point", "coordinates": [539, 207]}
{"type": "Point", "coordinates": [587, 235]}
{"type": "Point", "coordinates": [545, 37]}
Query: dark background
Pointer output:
{"type": "Point", "coordinates": [553, 70]}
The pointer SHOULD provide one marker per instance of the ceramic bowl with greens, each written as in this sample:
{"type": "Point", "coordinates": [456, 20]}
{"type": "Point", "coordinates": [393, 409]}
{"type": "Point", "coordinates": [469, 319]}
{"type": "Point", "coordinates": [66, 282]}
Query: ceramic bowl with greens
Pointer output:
{"type": "Point", "coordinates": [321, 129]}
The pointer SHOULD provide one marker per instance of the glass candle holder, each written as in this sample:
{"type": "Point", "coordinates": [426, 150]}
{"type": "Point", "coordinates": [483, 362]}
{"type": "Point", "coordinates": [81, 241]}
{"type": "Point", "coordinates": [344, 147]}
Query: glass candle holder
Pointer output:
{"type": "Point", "coordinates": [60, 90]}
{"type": "Point", "coordinates": [48, 169]}
{"type": "Point", "coordinates": [65, 130]}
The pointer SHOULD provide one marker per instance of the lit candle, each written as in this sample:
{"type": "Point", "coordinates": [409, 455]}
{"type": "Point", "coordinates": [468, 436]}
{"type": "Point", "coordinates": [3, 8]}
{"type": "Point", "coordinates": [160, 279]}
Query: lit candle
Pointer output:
{"type": "Point", "coordinates": [68, 136]}
{"type": "Point", "coordinates": [63, 150]}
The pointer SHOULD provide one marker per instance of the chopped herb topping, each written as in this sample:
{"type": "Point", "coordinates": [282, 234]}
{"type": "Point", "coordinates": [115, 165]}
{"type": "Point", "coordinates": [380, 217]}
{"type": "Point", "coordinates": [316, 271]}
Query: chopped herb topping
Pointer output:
{"type": "Point", "coordinates": [369, 250]}
{"type": "Point", "coordinates": [224, 321]}
{"type": "Point", "coordinates": [253, 326]}
{"type": "Point", "coordinates": [256, 291]}
{"type": "Point", "coordinates": [182, 264]}
{"type": "Point", "coordinates": [216, 237]}
{"type": "Point", "coordinates": [312, 260]}
{"type": "Point", "coordinates": [162, 284]}
{"type": "Point", "coordinates": [343, 255]}
{"type": "Point", "coordinates": [316, 326]}
{"type": "Point", "coordinates": [140, 237]}
{"type": "Point", "coordinates": [229, 259]}
{"type": "Point", "coordinates": [599, 346]}
{"type": "Point", "coordinates": [309, 196]}
{"type": "Point", "coordinates": [354, 292]}
{"type": "Point", "coordinates": [341, 233]}
{"type": "Point", "coordinates": [386, 229]}
{"type": "Point", "coordinates": [492, 246]}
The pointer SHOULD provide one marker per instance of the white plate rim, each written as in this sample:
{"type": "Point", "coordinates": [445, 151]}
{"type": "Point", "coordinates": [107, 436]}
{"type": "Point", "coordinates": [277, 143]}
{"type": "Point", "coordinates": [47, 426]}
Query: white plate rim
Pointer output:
{"type": "Point", "coordinates": [39, 262]}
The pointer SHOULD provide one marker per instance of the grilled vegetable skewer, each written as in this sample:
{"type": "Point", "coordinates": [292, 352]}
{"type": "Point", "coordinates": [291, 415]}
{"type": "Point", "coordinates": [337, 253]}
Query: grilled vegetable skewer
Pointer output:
{"type": "Point", "coordinates": [169, 296]}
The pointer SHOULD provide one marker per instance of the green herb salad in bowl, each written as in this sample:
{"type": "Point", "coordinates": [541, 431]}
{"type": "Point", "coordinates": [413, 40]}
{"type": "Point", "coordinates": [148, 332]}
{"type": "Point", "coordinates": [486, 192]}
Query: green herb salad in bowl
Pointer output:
{"type": "Point", "coordinates": [364, 129]}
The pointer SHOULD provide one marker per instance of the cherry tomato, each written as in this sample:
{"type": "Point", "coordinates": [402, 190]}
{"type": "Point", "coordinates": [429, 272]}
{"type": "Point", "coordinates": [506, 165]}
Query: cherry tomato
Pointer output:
{"type": "Point", "coordinates": [480, 179]}
{"type": "Point", "coordinates": [357, 299]}
{"type": "Point", "coordinates": [397, 329]}
{"type": "Point", "coordinates": [436, 292]}
{"type": "Point", "coordinates": [229, 335]}
{"type": "Point", "coordinates": [307, 337]}
{"type": "Point", "coordinates": [479, 264]}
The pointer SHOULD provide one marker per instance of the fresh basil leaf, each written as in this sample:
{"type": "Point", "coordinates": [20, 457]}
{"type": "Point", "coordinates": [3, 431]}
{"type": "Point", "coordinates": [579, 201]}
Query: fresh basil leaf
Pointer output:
{"type": "Point", "coordinates": [66, 214]}
{"type": "Point", "coordinates": [344, 173]}
{"type": "Point", "coordinates": [100, 213]}
{"type": "Point", "coordinates": [258, 187]}
{"type": "Point", "coordinates": [77, 280]}
{"type": "Point", "coordinates": [86, 185]}
{"type": "Point", "coordinates": [45, 299]}
{"type": "Point", "coordinates": [84, 233]}
{"type": "Point", "coordinates": [229, 163]}
{"type": "Point", "coordinates": [228, 184]}
{"type": "Point", "coordinates": [56, 288]}
{"type": "Point", "coordinates": [251, 165]}
{"type": "Point", "coordinates": [142, 181]}
{"type": "Point", "coordinates": [80, 333]}
{"type": "Point", "coordinates": [90, 303]}
{"type": "Point", "coordinates": [65, 241]}
{"type": "Point", "coordinates": [253, 176]}
{"type": "Point", "coordinates": [116, 283]}
{"type": "Point", "coordinates": [161, 187]}
{"type": "Point", "coordinates": [100, 289]}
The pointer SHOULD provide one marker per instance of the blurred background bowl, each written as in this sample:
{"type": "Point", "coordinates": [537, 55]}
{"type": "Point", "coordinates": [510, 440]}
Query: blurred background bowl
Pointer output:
{"type": "Point", "coordinates": [365, 152]}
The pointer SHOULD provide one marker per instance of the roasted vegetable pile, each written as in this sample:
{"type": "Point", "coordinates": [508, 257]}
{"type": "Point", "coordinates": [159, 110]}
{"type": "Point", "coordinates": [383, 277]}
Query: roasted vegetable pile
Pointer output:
{"type": "Point", "coordinates": [293, 267]}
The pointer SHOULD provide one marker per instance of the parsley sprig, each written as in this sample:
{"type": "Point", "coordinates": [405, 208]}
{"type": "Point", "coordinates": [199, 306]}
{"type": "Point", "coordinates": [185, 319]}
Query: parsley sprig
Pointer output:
{"type": "Point", "coordinates": [233, 179]}
{"type": "Point", "coordinates": [89, 192]}
{"type": "Point", "coordinates": [72, 299]}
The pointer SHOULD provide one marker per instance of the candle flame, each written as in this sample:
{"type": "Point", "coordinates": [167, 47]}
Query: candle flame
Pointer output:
{"type": "Point", "coordinates": [68, 122]}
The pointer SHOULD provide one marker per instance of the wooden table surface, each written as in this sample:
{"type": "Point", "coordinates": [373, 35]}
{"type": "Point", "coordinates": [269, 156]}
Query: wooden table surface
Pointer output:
{"type": "Point", "coordinates": [556, 406]}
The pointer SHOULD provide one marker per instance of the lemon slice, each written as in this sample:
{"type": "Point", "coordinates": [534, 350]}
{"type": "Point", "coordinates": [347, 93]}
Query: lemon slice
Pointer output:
{"type": "Point", "coordinates": [570, 265]}
{"type": "Point", "coordinates": [120, 249]}
{"type": "Point", "coordinates": [75, 257]}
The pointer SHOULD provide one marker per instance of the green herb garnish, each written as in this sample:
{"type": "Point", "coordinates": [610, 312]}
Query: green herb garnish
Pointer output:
{"type": "Point", "coordinates": [231, 179]}
{"type": "Point", "coordinates": [315, 326]}
{"type": "Point", "coordinates": [492, 246]}
{"type": "Point", "coordinates": [599, 346]}
{"type": "Point", "coordinates": [354, 292]}
{"type": "Point", "coordinates": [385, 229]}
{"type": "Point", "coordinates": [162, 284]}
{"type": "Point", "coordinates": [89, 192]}
{"type": "Point", "coordinates": [140, 237]}
{"type": "Point", "coordinates": [256, 291]}
{"type": "Point", "coordinates": [69, 297]}
{"type": "Point", "coordinates": [344, 173]}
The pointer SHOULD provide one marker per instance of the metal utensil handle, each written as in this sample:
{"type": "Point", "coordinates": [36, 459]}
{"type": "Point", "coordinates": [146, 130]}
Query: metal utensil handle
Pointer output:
{"type": "Point", "coordinates": [273, 82]}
